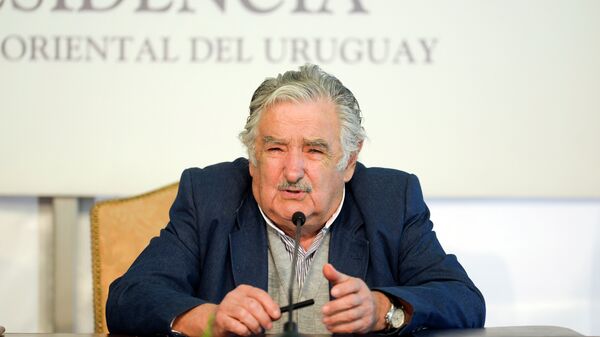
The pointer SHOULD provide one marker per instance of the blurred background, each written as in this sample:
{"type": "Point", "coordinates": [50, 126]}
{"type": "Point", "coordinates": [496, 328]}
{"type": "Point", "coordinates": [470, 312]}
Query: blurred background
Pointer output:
{"type": "Point", "coordinates": [494, 105]}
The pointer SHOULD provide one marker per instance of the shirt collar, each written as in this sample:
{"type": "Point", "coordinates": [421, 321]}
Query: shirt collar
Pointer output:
{"type": "Point", "coordinates": [327, 224]}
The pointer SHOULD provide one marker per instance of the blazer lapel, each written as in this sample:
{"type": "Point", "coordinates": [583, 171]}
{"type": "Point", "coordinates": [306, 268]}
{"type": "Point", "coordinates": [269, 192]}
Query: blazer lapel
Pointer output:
{"type": "Point", "coordinates": [248, 247]}
{"type": "Point", "coordinates": [349, 248]}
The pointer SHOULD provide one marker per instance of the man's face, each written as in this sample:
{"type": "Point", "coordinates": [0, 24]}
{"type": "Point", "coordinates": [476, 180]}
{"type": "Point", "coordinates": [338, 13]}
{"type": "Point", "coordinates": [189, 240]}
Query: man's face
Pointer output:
{"type": "Point", "coordinates": [297, 150]}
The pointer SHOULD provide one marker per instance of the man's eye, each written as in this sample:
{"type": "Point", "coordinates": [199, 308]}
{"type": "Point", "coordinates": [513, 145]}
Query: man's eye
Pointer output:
{"type": "Point", "coordinates": [315, 151]}
{"type": "Point", "coordinates": [274, 149]}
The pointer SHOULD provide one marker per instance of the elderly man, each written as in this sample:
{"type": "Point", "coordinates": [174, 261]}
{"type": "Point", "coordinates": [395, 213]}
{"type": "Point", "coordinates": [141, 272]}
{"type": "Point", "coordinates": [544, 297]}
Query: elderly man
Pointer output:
{"type": "Point", "coordinates": [368, 254]}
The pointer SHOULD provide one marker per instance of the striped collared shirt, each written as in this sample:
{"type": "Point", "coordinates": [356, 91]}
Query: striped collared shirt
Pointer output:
{"type": "Point", "coordinates": [305, 257]}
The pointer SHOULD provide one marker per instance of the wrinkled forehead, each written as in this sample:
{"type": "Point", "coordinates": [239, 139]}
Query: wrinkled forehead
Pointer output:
{"type": "Point", "coordinates": [309, 123]}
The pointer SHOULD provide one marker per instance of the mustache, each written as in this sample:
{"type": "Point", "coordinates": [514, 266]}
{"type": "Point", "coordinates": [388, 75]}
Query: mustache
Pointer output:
{"type": "Point", "coordinates": [298, 186]}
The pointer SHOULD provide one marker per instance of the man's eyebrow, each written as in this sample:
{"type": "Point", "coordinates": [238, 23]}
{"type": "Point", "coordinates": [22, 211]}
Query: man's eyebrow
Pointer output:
{"type": "Point", "coordinates": [322, 143]}
{"type": "Point", "coordinates": [273, 140]}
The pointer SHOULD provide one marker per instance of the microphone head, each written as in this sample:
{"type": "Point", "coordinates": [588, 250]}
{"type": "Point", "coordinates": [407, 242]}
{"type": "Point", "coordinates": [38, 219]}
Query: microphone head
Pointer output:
{"type": "Point", "coordinates": [298, 218]}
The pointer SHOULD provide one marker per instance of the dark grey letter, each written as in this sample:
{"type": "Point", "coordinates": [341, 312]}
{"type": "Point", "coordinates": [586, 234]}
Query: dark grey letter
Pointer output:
{"type": "Point", "coordinates": [428, 48]}
{"type": "Point", "coordinates": [146, 49]}
{"type": "Point", "coordinates": [88, 6]}
{"type": "Point", "coordinates": [166, 51]}
{"type": "Point", "coordinates": [371, 50]}
{"type": "Point", "coordinates": [404, 50]}
{"type": "Point", "coordinates": [61, 6]}
{"type": "Point", "coordinates": [299, 48]}
{"type": "Point", "coordinates": [185, 7]}
{"type": "Point", "coordinates": [356, 55]}
{"type": "Point", "coordinates": [145, 7]}
{"type": "Point", "coordinates": [194, 54]}
{"type": "Point", "coordinates": [73, 44]}
{"type": "Point", "coordinates": [17, 5]}
{"type": "Point", "coordinates": [270, 57]}
{"type": "Point", "coordinates": [319, 50]}
{"type": "Point", "coordinates": [41, 47]}
{"type": "Point", "coordinates": [221, 4]}
{"type": "Point", "coordinates": [248, 4]}
{"type": "Point", "coordinates": [4, 48]}
{"type": "Point", "coordinates": [301, 7]}
{"type": "Point", "coordinates": [123, 42]}
{"type": "Point", "coordinates": [358, 7]}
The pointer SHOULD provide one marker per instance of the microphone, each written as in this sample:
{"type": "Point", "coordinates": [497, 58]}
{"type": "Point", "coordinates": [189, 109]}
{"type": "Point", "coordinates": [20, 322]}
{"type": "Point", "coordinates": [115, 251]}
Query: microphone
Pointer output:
{"type": "Point", "coordinates": [290, 328]}
{"type": "Point", "coordinates": [298, 219]}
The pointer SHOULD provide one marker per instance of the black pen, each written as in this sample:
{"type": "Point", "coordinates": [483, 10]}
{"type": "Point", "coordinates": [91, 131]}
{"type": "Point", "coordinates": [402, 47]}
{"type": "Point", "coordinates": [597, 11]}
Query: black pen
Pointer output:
{"type": "Point", "coordinates": [297, 305]}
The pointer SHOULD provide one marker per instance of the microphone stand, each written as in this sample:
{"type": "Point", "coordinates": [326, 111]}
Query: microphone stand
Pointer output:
{"type": "Point", "coordinates": [290, 328]}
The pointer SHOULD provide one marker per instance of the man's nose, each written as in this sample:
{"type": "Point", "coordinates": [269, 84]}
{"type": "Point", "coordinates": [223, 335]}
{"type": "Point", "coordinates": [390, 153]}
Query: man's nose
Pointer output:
{"type": "Point", "coordinates": [294, 166]}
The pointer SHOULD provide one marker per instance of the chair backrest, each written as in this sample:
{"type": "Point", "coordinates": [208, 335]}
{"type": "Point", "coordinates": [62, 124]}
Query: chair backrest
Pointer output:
{"type": "Point", "coordinates": [121, 229]}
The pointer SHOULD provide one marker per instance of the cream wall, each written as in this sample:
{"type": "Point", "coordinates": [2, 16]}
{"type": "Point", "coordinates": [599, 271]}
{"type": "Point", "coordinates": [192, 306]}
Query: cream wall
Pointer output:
{"type": "Point", "coordinates": [20, 263]}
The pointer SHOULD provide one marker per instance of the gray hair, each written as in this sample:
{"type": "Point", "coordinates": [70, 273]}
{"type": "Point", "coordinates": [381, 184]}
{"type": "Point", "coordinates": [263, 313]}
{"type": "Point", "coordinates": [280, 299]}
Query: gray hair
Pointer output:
{"type": "Point", "coordinates": [308, 84]}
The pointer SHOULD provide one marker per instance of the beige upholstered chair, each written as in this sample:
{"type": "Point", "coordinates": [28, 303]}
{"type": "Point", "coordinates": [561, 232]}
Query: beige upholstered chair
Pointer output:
{"type": "Point", "coordinates": [121, 229]}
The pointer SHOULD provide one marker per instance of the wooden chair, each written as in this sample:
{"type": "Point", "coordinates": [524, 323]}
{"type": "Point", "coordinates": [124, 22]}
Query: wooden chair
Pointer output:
{"type": "Point", "coordinates": [121, 229]}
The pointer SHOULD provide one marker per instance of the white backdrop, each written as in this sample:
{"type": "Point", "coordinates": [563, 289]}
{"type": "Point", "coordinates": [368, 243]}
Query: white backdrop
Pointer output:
{"type": "Point", "coordinates": [478, 98]}
{"type": "Point", "coordinates": [494, 98]}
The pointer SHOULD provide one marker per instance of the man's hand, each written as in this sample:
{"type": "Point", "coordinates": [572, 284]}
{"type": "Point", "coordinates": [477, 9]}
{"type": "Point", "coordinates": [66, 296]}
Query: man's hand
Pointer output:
{"type": "Point", "coordinates": [244, 311]}
{"type": "Point", "coordinates": [355, 308]}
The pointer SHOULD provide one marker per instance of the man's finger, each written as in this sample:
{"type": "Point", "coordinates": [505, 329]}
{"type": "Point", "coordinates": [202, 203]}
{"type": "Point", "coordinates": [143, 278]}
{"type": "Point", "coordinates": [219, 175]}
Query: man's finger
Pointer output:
{"type": "Point", "coordinates": [349, 314]}
{"type": "Point", "coordinates": [260, 314]}
{"type": "Point", "coordinates": [249, 320]}
{"type": "Point", "coordinates": [225, 325]}
{"type": "Point", "coordinates": [262, 297]}
{"type": "Point", "coordinates": [341, 304]}
{"type": "Point", "coordinates": [348, 287]}
{"type": "Point", "coordinates": [246, 310]}
{"type": "Point", "coordinates": [332, 275]}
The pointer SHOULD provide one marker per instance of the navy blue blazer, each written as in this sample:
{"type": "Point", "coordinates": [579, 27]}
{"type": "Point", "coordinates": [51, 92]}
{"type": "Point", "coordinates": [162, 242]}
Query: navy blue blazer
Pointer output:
{"type": "Point", "coordinates": [216, 240]}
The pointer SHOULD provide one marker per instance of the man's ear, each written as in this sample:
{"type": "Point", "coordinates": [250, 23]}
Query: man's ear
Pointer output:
{"type": "Point", "coordinates": [251, 168]}
{"type": "Point", "coordinates": [349, 170]}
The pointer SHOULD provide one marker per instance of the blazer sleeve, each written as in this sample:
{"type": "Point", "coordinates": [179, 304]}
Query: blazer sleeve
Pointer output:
{"type": "Point", "coordinates": [159, 285]}
{"type": "Point", "coordinates": [430, 281]}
